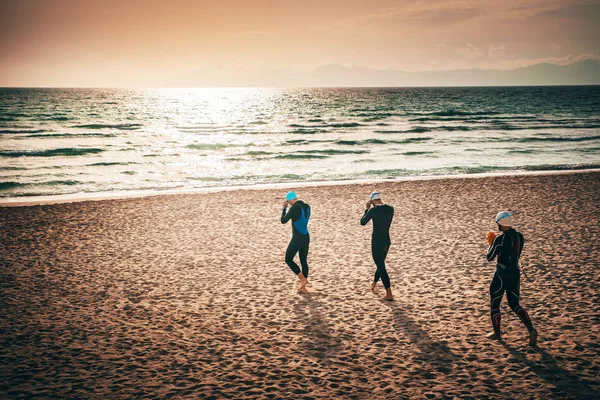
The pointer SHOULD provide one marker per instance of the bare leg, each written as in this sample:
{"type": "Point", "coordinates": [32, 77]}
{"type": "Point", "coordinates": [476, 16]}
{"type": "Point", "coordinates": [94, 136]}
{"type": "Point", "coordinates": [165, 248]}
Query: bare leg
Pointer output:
{"type": "Point", "coordinates": [373, 285]}
{"type": "Point", "coordinates": [388, 295]}
{"type": "Point", "coordinates": [303, 282]}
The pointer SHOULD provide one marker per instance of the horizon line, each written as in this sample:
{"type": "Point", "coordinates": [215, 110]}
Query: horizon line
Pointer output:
{"type": "Point", "coordinates": [297, 87]}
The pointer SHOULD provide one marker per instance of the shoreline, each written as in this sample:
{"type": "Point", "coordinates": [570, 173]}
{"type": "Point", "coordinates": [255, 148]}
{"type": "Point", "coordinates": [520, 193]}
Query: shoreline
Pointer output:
{"type": "Point", "coordinates": [27, 201]}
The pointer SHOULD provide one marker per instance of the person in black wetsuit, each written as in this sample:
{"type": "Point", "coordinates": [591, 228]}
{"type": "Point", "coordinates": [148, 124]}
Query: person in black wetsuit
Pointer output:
{"type": "Point", "coordinates": [507, 247]}
{"type": "Point", "coordinates": [299, 213]}
{"type": "Point", "coordinates": [382, 216]}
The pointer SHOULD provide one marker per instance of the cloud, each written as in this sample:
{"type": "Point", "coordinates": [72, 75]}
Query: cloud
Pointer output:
{"type": "Point", "coordinates": [568, 59]}
{"type": "Point", "coordinates": [470, 51]}
{"type": "Point", "coordinates": [496, 52]}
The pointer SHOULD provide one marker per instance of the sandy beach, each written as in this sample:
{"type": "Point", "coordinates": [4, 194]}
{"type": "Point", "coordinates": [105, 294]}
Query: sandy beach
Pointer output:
{"type": "Point", "coordinates": [188, 296]}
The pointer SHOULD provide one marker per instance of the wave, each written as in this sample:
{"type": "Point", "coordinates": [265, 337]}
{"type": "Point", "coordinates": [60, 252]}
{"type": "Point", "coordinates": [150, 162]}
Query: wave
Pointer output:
{"type": "Point", "coordinates": [65, 152]}
{"type": "Point", "coordinates": [555, 139]}
{"type": "Point", "coordinates": [296, 141]}
{"type": "Point", "coordinates": [109, 164]}
{"type": "Point", "coordinates": [306, 131]}
{"type": "Point", "coordinates": [333, 151]}
{"type": "Point", "coordinates": [207, 146]}
{"type": "Point", "coordinates": [456, 113]}
{"type": "Point", "coordinates": [12, 116]}
{"type": "Point", "coordinates": [587, 150]}
{"type": "Point", "coordinates": [61, 183]}
{"type": "Point", "coordinates": [56, 118]}
{"type": "Point", "coordinates": [417, 153]}
{"type": "Point", "coordinates": [475, 119]}
{"type": "Point", "coordinates": [345, 125]}
{"type": "Point", "coordinates": [17, 131]}
{"type": "Point", "coordinates": [124, 127]}
{"type": "Point", "coordinates": [369, 141]}
{"type": "Point", "coordinates": [72, 135]}
{"type": "Point", "coordinates": [300, 156]}
{"type": "Point", "coordinates": [459, 170]}
{"type": "Point", "coordinates": [423, 129]}
{"type": "Point", "coordinates": [11, 185]}
{"type": "Point", "coordinates": [307, 153]}
{"type": "Point", "coordinates": [332, 125]}
{"type": "Point", "coordinates": [13, 169]}
{"type": "Point", "coordinates": [508, 127]}
{"type": "Point", "coordinates": [410, 140]}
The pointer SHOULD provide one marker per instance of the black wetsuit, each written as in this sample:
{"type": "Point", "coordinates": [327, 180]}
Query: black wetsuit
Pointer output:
{"type": "Point", "coordinates": [507, 278]}
{"type": "Point", "coordinates": [382, 216]}
{"type": "Point", "coordinates": [299, 213]}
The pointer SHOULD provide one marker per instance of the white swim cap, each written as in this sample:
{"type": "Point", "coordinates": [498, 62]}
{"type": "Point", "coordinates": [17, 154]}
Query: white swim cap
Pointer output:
{"type": "Point", "coordinates": [375, 196]}
{"type": "Point", "coordinates": [504, 218]}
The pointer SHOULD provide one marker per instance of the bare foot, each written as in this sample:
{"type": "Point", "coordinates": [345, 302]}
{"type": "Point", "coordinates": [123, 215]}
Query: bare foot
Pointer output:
{"type": "Point", "coordinates": [373, 285]}
{"type": "Point", "coordinates": [493, 335]}
{"type": "Point", "coordinates": [302, 289]}
{"type": "Point", "coordinates": [388, 297]}
{"type": "Point", "coordinates": [533, 337]}
{"type": "Point", "coordinates": [303, 283]}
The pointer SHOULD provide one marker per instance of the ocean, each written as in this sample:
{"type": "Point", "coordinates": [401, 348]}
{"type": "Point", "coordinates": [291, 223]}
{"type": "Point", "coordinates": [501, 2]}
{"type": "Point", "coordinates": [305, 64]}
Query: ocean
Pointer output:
{"type": "Point", "coordinates": [75, 141]}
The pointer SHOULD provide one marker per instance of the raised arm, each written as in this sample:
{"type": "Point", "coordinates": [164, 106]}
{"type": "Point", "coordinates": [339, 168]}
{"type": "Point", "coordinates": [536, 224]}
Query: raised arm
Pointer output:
{"type": "Point", "coordinates": [366, 217]}
{"type": "Point", "coordinates": [494, 249]}
{"type": "Point", "coordinates": [285, 217]}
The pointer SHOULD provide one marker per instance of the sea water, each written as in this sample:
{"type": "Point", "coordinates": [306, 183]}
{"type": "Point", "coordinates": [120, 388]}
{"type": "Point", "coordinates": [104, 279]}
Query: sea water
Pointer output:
{"type": "Point", "coordinates": [67, 141]}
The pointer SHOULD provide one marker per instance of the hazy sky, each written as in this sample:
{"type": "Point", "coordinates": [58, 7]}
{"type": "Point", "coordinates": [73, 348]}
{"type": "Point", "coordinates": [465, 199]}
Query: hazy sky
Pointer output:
{"type": "Point", "coordinates": [155, 43]}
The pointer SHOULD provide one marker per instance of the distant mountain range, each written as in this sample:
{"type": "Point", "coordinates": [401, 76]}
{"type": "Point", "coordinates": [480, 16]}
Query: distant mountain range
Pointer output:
{"type": "Point", "coordinates": [580, 73]}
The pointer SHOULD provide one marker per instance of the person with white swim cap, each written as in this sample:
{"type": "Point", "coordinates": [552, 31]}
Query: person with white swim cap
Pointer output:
{"type": "Point", "coordinates": [299, 213]}
{"type": "Point", "coordinates": [507, 247]}
{"type": "Point", "coordinates": [382, 216]}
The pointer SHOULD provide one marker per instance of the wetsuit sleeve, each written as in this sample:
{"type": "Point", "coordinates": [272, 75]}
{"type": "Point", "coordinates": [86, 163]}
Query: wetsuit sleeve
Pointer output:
{"type": "Point", "coordinates": [285, 217]}
{"type": "Point", "coordinates": [494, 249]}
{"type": "Point", "coordinates": [367, 216]}
{"type": "Point", "coordinates": [522, 238]}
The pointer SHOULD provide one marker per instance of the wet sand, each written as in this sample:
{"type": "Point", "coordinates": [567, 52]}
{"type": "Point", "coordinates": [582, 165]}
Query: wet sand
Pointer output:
{"type": "Point", "coordinates": [188, 296]}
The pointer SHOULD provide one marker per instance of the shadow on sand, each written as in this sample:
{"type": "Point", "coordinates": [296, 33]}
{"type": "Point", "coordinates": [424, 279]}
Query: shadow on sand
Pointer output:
{"type": "Point", "coordinates": [565, 382]}
{"type": "Point", "coordinates": [435, 353]}
{"type": "Point", "coordinates": [320, 342]}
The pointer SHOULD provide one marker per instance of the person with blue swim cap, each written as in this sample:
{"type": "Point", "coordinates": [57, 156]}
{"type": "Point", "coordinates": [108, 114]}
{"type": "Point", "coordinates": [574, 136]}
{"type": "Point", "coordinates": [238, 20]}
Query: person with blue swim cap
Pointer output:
{"type": "Point", "coordinates": [299, 213]}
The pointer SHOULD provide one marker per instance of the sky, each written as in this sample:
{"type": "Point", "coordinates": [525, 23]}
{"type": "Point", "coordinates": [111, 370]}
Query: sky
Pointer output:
{"type": "Point", "coordinates": [132, 43]}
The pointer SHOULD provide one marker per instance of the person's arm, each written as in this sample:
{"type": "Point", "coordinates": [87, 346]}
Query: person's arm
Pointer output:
{"type": "Point", "coordinates": [494, 249]}
{"type": "Point", "coordinates": [522, 240]}
{"type": "Point", "coordinates": [366, 216]}
{"type": "Point", "coordinates": [285, 217]}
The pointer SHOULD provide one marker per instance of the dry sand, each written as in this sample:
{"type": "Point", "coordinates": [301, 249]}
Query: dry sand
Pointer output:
{"type": "Point", "coordinates": [188, 296]}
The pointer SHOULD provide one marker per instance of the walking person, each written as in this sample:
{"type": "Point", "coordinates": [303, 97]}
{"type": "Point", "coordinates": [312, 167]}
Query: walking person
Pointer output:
{"type": "Point", "coordinates": [382, 216]}
{"type": "Point", "coordinates": [299, 213]}
{"type": "Point", "coordinates": [507, 246]}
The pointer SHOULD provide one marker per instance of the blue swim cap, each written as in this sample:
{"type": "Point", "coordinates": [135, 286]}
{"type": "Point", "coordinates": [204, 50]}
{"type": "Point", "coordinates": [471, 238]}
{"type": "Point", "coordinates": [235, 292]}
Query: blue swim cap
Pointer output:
{"type": "Point", "coordinates": [290, 196]}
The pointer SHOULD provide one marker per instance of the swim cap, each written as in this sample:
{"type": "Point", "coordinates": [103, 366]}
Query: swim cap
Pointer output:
{"type": "Point", "coordinates": [290, 196]}
{"type": "Point", "coordinates": [375, 196]}
{"type": "Point", "coordinates": [504, 218]}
